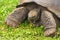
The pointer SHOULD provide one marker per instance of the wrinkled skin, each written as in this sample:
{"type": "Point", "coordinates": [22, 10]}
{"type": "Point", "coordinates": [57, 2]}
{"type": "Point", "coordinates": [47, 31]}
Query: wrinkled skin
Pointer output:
{"type": "Point", "coordinates": [37, 15]}
{"type": "Point", "coordinates": [17, 16]}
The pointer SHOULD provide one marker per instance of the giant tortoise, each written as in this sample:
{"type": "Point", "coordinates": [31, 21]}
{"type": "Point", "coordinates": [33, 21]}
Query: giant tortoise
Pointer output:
{"type": "Point", "coordinates": [38, 12]}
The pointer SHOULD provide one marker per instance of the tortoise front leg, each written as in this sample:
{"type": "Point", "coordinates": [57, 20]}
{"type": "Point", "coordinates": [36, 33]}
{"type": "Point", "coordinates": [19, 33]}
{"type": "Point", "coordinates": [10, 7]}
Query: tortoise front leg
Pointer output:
{"type": "Point", "coordinates": [17, 16]}
{"type": "Point", "coordinates": [48, 22]}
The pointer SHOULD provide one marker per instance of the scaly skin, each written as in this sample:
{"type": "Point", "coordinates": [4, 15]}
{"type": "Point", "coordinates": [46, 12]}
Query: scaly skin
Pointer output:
{"type": "Point", "coordinates": [48, 22]}
{"type": "Point", "coordinates": [17, 16]}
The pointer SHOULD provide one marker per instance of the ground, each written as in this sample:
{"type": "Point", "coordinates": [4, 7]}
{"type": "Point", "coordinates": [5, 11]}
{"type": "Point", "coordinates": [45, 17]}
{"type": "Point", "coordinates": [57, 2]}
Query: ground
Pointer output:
{"type": "Point", "coordinates": [25, 31]}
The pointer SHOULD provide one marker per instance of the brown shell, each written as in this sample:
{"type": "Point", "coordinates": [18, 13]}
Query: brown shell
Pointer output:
{"type": "Point", "coordinates": [47, 3]}
{"type": "Point", "coordinates": [53, 5]}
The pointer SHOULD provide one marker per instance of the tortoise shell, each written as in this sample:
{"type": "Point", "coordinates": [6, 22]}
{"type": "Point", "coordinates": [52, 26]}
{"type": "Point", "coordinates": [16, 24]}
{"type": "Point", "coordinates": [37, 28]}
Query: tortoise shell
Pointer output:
{"type": "Point", "coordinates": [46, 3]}
{"type": "Point", "coordinates": [52, 5]}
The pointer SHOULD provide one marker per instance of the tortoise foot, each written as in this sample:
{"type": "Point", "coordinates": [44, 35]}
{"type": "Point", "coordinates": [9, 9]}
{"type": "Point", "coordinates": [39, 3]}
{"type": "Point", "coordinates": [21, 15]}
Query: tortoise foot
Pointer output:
{"type": "Point", "coordinates": [50, 32]}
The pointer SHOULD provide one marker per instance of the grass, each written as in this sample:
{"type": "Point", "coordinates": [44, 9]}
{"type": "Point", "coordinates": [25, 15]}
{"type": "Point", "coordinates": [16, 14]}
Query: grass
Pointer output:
{"type": "Point", "coordinates": [25, 31]}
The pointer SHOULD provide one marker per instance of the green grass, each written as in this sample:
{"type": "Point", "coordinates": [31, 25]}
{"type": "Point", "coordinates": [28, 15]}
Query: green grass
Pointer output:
{"type": "Point", "coordinates": [25, 31]}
